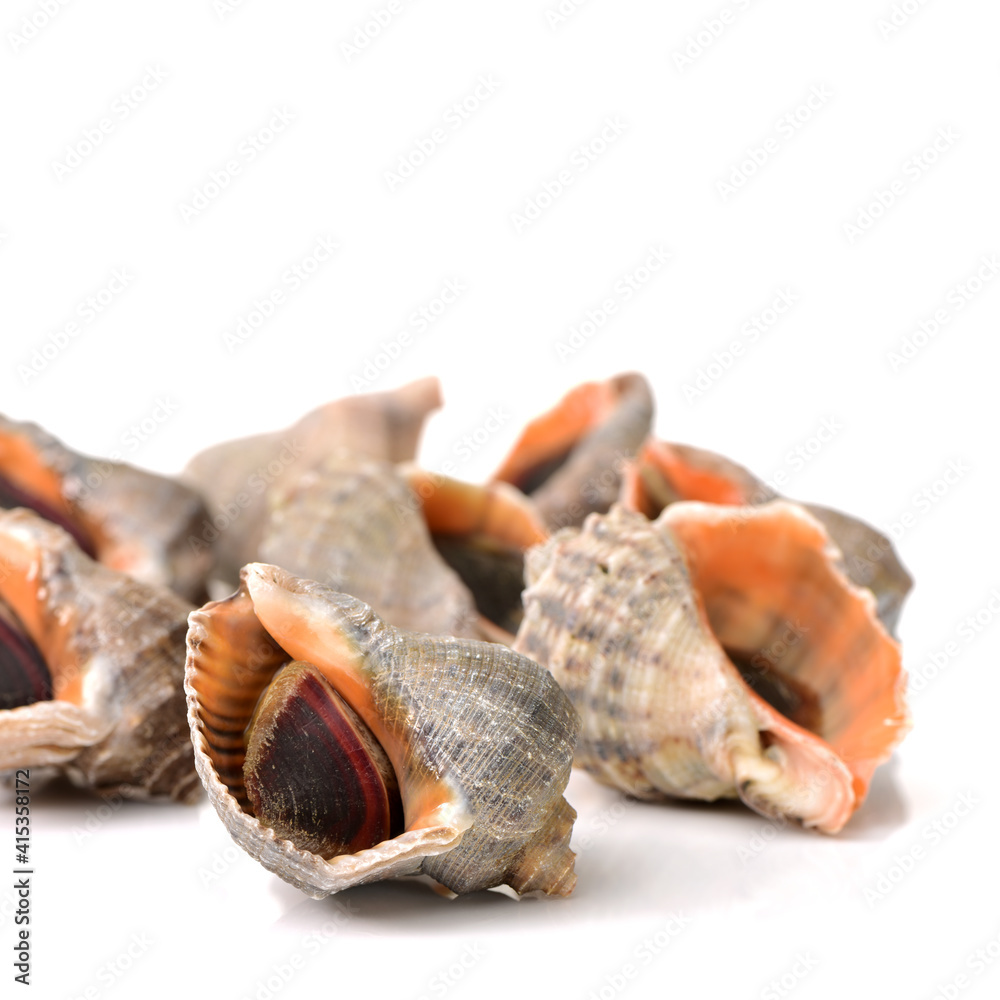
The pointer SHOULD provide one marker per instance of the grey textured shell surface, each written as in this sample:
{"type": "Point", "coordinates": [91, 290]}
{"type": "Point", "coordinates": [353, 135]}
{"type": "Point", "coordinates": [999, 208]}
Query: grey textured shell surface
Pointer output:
{"type": "Point", "coordinates": [468, 711]}
{"type": "Point", "coordinates": [147, 521]}
{"type": "Point", "coordinates": [356, 526]}
{"type": "Point", "coordinates": [609, 609]}
{"type": "Point", "coordinates": [125, 729]}
{"type": "Point", "coordinates": [481, 739]}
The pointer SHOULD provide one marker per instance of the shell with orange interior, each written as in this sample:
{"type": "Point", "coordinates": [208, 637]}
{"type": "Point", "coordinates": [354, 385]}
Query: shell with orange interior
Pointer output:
{"type": "Point", "coordinates": [718, 652]}
{"type": "Point", "coordinates": [427, 552]}
{"type": "Point", "coordinates": [131, 520]}
{"type": "Point", "coordinates": [242, 475]}
{"type": "Point", "coordinates": [664, 473]}
{"type": "Point", "coordinates": [92, 668]}
{"type": "Point", "coordinates": [570, 459]}
{"type": "Point", "coordinates": [442, 756]}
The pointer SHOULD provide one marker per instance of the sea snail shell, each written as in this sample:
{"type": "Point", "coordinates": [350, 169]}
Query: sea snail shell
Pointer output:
{"type": "Point", "coordinates": [664, 473]}
{"type": "Point", "coordinates": [112, 717]}
{"type": "Point", "coordinates": [480, 739]}
{"type": "Point", "coordinates": [427, 552]}
{"type": "Point", "coordinates": [385, 426]}
{"type": "Point", "coordinates": [131, 520]}
{"type": "Point", "coordinates": [569, 459]}
{"type": "Point", "coordinates": [717, 652]}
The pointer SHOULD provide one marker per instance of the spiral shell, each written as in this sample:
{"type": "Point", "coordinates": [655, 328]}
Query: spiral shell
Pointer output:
{"type": "Point", "coordinates": [114, 650]}
{"type": "Point", "coordinates": [569, 460]}
{"type": "Point", "coordinates": [480, 739]}
{"type": "Point", "coordinates": [718, 652]}
{"type": "Point", "coordinates": [239, 477]}
{"type": "Point", "coordinates": [355, 525]}
{"type": "Point", "coordinates": [129, 519]}
{"type": "Point", "coordinates": [664, 473]}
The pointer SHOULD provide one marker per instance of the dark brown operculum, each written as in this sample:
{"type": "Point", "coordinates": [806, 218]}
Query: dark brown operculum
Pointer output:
{"type": "Point", "coordinates": [314, 772]}
{"type": "Point", "coordinates": [493, 572]}
{"type": "Point", "coordinates": [24, 675]}
{"type": "Point", "coordinates": [11, 496]}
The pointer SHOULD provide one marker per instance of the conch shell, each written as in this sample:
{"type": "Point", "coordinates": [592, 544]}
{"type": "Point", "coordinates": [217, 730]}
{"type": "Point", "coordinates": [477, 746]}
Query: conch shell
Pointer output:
{"type": "Point", "coordinates": [664, 473]}
{"type": "Point", "coordinates": [111, 713]}
{"type": "Point", "coordinates": [236, 478]}
{"type": "Point", "coordinates": [482, 533]}
{"type": "Point", "coordinates": [570, 459]}
{"type": "Point", "coordinates": [428, 553]}
{"type": "Point", "coordinates": [480, 739]}
{"type": "Point", "coordinates": [131, 520]}
{"type": "Point", "coordinates": [354, 525]}
{"type": "Point", "coordinates": [717, 652]}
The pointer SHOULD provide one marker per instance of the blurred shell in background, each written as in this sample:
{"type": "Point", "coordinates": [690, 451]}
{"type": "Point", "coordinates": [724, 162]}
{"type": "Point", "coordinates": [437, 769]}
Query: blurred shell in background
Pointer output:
{"type": "Point", "coordinates": [106, 654]}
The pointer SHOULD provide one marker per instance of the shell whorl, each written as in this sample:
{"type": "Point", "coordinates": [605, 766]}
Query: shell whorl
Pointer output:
{"type": "Point", "coordinates": [481, 739]}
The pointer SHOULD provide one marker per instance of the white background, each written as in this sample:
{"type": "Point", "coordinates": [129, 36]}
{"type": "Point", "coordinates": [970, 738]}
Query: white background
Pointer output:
{"type": "Point", "coordinates": [144, 879]}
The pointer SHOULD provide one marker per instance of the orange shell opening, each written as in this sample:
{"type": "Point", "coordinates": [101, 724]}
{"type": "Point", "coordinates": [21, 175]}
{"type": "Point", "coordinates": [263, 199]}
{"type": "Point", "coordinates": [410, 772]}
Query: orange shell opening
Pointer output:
{"type": "Point", "coordinates": [555, 432]}
{"type": "Point", "coordinates": [767, 581]}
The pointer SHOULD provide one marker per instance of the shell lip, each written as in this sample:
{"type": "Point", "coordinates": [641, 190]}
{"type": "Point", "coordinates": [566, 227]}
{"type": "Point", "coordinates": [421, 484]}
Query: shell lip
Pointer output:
{"type": "Point", "coordinates": [868, 750]}
{"type": "Point", "coordinates": [424, 836]}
